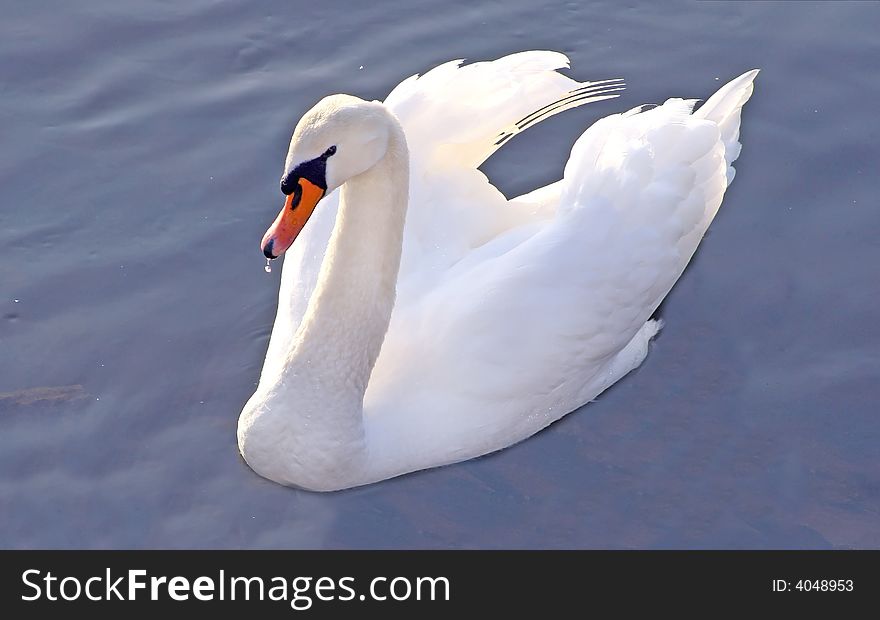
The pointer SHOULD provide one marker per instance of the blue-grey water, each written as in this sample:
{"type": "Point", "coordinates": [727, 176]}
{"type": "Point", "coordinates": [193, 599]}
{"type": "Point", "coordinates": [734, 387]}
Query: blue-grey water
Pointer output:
{"type": "Point", "coordinates": [140, 148]}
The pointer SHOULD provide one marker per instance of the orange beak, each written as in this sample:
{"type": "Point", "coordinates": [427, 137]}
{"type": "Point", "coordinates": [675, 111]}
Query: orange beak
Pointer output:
{"type": "Point", "coordinates": [293, 217]}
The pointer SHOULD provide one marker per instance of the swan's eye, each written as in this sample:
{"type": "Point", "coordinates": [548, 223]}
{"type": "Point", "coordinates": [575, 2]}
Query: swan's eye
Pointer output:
{"type": "Point", "coordinates": [329, 152]}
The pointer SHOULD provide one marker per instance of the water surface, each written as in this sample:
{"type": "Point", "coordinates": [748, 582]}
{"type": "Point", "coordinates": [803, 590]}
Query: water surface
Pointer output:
{"type": "Point", "coordinates": [141, 148]}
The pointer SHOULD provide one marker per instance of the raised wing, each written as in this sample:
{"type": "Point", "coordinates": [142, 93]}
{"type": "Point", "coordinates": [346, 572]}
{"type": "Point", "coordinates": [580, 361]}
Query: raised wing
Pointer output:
{"type": "Point", "coordinates": [464, 113]}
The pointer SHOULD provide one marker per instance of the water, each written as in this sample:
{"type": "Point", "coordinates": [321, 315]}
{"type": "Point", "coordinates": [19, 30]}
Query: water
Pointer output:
{"type": "Point", "coordinates": [142, 145]}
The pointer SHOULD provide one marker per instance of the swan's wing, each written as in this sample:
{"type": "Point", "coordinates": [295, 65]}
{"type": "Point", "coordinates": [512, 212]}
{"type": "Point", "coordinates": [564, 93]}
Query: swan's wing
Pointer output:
{"type": "Point", "coordinates": [462, 114]}
{"type": "Point", "coordinates": [455, 116]}
{"type": "Point", "coordinates": [534, 321]}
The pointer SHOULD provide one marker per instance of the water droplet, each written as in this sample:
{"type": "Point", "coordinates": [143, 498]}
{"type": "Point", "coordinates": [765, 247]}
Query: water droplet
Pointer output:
{"type": "Point", "coordinates": [268, 266]}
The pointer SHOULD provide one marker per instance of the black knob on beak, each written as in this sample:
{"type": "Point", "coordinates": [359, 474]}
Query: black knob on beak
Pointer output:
{"type": "Point", "coordinates": [267, 249]}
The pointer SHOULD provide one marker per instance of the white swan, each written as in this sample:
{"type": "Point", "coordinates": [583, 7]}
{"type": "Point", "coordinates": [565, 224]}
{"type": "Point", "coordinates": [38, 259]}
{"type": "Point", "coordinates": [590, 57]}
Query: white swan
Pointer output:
{"type": "Point", "coordinates": [508, 314]}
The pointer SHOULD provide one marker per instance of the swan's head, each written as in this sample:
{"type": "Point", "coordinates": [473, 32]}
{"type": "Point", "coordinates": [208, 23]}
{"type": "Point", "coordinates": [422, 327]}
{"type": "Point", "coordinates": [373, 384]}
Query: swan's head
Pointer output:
{"type": "Point", "coordinates": [340, 138]}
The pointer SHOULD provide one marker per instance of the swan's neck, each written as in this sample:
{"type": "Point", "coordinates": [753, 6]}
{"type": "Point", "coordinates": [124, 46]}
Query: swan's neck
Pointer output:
{"type": "Point", "coordinates": [312, 434]}
{"type": "Point", "coordinates": [347, 317]}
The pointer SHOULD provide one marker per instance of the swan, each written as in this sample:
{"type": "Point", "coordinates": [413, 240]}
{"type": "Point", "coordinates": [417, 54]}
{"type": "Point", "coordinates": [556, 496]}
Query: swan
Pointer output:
{"type": "Point", "coordinates": [423, 318]}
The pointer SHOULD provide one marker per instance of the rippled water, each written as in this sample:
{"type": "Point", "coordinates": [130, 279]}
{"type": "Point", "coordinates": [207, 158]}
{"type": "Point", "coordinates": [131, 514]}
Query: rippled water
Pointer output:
{"type": "Point", "coordinates": [141, 148]}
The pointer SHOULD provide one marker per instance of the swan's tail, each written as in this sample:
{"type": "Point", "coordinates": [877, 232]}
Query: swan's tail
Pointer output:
{"type": "Point", "coordinates": [723, 108]}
